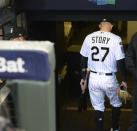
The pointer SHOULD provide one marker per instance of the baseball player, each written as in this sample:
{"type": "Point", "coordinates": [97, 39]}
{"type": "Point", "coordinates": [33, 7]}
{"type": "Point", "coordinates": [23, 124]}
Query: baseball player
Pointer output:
{"type": "Point", "coordinates": [102, 53]}
{"type": "Point", "coordinates": [16, 34]}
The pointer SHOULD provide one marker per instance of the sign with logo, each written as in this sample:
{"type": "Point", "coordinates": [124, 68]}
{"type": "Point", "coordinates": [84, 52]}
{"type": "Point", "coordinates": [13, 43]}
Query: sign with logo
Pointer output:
{"type": "Point", "coordinates": [103, 2]}
{"type": "Point", "coordinates": [123, 5]}
{"type": "Point", "coordinates": [19, 64]}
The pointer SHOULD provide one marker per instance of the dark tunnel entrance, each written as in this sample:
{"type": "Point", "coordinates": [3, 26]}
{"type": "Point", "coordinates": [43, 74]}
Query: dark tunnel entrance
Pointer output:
{"type": "Point", "coordinates": [68, 38]}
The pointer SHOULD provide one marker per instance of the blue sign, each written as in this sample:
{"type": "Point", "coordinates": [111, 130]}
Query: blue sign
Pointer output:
{"type": "Point", "coordinates": [30, 65]}
{"type": "Point", "coordinates": [101, 2]}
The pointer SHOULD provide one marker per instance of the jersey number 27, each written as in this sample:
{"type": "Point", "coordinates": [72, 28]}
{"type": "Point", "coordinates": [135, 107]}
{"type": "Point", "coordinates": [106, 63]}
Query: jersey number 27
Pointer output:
{"type": "Point", "coordinates": [96, 51]}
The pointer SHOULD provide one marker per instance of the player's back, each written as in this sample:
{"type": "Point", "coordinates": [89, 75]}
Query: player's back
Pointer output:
{"type": "Point", "coordinates": [104, 48]}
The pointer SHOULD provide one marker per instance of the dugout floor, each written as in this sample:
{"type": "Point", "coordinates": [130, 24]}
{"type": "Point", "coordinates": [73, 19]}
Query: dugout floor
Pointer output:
{"type": "Point", "coordinates": [71, 120]}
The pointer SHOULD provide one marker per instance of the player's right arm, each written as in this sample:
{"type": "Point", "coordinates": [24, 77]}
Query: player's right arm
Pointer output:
{"type": "Point", "coordinates": [131, 56]}
{"type": "Point", "coordinates": [122, 71]}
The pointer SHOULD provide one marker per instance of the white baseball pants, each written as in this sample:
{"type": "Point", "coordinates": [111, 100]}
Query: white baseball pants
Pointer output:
{"type": "Point", "coordinates": [101, 85]}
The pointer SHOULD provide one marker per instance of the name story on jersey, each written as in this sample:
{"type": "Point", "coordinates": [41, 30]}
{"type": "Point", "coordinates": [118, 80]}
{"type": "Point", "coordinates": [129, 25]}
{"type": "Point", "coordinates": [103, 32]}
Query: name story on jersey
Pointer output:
{"type": "Point", "coordinates": [99, 39]}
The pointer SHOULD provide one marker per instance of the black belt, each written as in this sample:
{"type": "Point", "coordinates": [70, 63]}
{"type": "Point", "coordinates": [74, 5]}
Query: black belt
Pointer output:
{"type": "Point", "coordinates": [107, 74]}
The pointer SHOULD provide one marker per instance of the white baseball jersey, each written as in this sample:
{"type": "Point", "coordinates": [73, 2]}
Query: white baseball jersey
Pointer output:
{"type": "Point", "coordinates": [102, 50]}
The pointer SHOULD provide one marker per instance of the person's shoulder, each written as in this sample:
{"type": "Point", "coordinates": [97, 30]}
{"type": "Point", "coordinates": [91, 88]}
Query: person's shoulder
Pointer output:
{"type": "Point", "coordinates": [115, 36]}
{"type": "Point", "coordinates": [135, 34]}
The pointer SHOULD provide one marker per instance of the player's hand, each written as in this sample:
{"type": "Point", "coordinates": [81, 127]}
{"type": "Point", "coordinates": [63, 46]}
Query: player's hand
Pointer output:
{"type": "Point", "coordinates": [83, 86]}
{"type": "Point", "coordinates": [124, 84]}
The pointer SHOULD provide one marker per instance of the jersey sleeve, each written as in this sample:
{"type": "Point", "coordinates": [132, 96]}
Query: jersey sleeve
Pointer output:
{"type": "Point", "coordinates": [85, 49]}
{"type": "Point", "coordinates": [119, 50]}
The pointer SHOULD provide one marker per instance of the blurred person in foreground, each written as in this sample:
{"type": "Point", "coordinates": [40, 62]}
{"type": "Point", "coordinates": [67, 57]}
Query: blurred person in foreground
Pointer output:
{"type": "Point", "coordinates": [131, 64]}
